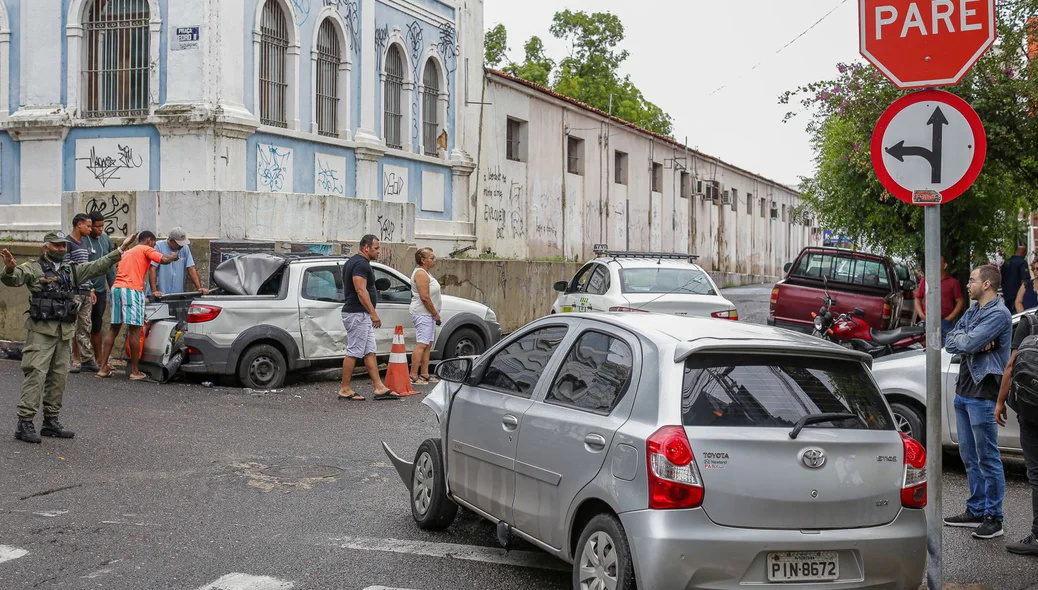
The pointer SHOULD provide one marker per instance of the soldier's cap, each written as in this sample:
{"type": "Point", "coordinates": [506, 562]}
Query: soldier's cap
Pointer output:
{"type": "Point", "coordinates": [55, 237]}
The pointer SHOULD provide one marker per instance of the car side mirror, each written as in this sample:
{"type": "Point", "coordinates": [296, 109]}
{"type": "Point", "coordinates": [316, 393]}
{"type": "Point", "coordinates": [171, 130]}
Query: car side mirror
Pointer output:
{"type": "Point", "coordinates": [908, 285]}
{"type": "Point", "coordinates": [383, 284]}
{"type": "Point", "coordinates": [786, 267]}
{"type": "Point", "coordinates": [561, 286]}
{"type": "Point", "coordinates": [455, 370]}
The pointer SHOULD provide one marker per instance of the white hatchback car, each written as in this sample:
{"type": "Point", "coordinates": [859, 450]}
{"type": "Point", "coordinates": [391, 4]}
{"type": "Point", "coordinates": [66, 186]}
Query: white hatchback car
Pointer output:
{"type": "Point", "coordinates": [643, 281]}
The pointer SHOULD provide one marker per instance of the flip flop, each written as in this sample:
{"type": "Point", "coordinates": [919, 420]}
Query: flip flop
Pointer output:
{"type": "Point", "coordinates": [388, 395]}
{"type": "Point", "coordinates": [103, 375]}
{"type": "Point", "coordinates": [431, 379]}
{"type": "Point", "coordinates": [355, 397]}
{"type": "Point", "coordinates": [419, 381]}
{"type": "Point", "coordinates": [138, 377]}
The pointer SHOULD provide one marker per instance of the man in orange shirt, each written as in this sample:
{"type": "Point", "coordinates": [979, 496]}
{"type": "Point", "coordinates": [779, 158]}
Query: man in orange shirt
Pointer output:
{"type": "Point", "coordinates": [127, 300]}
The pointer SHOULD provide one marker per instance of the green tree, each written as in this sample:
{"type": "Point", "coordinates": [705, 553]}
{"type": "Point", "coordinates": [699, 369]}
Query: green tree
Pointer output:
{"type": "Point", "coordinates": [537, 67]}
{"type": "Point", "coordinates": [846, 195]}
{"type": "Point", "coordinates": [589, 73]}
{"type": "Point", "coordinates": [495, 46]}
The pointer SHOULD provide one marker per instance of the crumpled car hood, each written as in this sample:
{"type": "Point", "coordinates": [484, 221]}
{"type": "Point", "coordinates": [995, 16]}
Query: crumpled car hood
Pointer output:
{"type": "Point", "coordinates": [245, 275]}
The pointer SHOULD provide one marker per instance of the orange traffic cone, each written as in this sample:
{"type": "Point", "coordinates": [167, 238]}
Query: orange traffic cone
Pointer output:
{"type": "Point", "coordinates": [398, 378]}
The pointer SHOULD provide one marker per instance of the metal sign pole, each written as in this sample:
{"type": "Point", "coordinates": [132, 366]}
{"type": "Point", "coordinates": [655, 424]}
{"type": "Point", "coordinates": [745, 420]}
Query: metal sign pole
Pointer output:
{"type": "Point", "coordinates": [934, 397]}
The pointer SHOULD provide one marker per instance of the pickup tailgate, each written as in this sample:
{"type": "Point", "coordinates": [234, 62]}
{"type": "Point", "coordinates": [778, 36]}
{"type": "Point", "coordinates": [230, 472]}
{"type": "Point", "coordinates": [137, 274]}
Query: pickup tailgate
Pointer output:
{"type": "Point", "coordinates": [793, 301]}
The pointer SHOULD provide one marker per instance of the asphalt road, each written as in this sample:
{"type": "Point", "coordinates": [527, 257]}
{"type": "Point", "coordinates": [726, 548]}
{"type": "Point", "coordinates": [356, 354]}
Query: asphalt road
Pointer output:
{"type": "Point", "coordinates": [187, 487]}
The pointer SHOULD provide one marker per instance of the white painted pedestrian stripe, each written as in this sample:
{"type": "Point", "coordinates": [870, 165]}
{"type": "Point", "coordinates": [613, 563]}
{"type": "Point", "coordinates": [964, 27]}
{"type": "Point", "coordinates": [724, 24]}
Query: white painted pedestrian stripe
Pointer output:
{"type": "Point", "coordinates": [238, 581]}
{"type": "Point", "coordinates": [531, 559]}
{"type": "Point", "coordinates": [8, 553]}
{"type": "Point", "coordinates": [384, 588]}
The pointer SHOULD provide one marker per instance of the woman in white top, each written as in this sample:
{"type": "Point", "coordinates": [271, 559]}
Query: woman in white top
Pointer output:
{"type": "Point", "coordinates": [425, 312]}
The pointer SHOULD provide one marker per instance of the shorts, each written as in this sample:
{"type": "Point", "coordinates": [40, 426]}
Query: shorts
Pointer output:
{"type": "Point", "coordinates": [424, 328]}
{"type": "Point", "coordinates": [97, 312]}
{"type": "Point", "coordinates": [127, 306]}
{"type": "Point", "coordinates": [360, 335]}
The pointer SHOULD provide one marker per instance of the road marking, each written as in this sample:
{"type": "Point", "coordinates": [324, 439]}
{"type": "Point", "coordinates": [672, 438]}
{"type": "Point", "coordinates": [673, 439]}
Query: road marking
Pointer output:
{"type": "Point", "coordinates": [8, 553]}
{"type": "Point", "coordinates": [246, 582]}
{"type": "Point", "coordinates": [532, 559]}
{"type": "Point", "coordinates": [51, 513]}
{"type": "Point", "coordinates": [384, 588]}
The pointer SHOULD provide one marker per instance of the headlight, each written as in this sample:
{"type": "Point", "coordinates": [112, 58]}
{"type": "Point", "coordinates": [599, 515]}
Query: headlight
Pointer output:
{"type": "Point", "coordinates": [491, 316]}
{"type": "Point", "coordinates": [818, 323]}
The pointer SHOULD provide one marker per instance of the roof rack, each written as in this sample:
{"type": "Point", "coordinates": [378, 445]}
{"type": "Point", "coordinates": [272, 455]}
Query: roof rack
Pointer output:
{"type": "Point", "coordinates": [602, 250]}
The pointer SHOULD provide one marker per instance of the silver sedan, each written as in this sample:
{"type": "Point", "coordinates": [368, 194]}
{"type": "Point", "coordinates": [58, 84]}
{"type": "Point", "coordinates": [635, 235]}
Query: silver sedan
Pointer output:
{"type": "Point", "coordinates": [655, 451]}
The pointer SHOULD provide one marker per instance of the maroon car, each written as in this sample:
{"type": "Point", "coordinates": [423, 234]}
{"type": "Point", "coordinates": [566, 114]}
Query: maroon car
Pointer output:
{"type": "Point", "coordinates": [855, 279]}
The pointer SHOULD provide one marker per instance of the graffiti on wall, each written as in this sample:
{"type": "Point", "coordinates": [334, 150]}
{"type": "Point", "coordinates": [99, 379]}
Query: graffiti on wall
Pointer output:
{"type": "Point", "coordinates": [386, 228]}
{"type": "Point", "coordinates": [113, 164]}
{"type": "Point", "coordinates": [329, 174]}
{"type": "Point", "coordinates": [503, 204]}
{"type": "Point", "coordinates": [350, 13]}
{"type": "Point", "coordinates": [381, 39]}
{"type": "Point", "coordinates": [394, 184]}
{"type": "Point", "coordinates": [449, 50]}
{"type": "Point", "coordinates": [114, 210]}
{"type": "Point", "coordinates": [414, 41]}
{"type": "Point", "coordinates": [273, 169]}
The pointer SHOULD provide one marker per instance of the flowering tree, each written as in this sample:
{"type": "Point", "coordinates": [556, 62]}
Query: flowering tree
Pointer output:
{"type": "Point", "coordinates": [845, 193]}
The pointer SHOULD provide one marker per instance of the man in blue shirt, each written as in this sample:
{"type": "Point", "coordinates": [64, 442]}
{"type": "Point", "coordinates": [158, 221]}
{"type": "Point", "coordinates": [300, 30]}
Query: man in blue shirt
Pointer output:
{"type": "Point", "coordinates": [983, 337]}
{"type": "Point", "coordinates": [169, 278]}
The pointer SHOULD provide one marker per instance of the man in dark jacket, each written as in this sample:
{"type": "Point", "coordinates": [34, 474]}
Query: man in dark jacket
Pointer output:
{"type": "Point", "coordinates": [1014, 273]}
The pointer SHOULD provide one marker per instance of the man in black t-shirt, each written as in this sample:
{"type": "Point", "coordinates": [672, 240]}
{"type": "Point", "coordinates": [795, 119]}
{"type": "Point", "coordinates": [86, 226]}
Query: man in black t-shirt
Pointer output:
{"type": "Point", "coordinates": [1028, 443]}
{"type": "Point", "coordinates": [361, 319]}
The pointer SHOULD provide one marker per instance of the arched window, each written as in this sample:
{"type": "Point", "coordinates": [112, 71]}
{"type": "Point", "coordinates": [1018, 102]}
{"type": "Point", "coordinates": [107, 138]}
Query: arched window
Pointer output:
{"type": "Point", "coordinates": [273, 86]}
{"type": "Point", "coordinates": [430, 107]}
{"type": "Point", "coordinates": [118, 56]}
{"type": "Point", "coordinates": [329, 56]}
{"type": "Point", "coordinates": [393, 103]}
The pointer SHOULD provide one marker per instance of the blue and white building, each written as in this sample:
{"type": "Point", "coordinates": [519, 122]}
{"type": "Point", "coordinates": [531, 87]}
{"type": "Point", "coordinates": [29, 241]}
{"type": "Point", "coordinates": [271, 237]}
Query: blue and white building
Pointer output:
{"type": "Point", "coordinates": [359, 99]}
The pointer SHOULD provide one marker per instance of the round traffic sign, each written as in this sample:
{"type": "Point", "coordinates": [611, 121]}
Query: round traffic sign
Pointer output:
{"type": "Point", "coordinates": [928, 142]}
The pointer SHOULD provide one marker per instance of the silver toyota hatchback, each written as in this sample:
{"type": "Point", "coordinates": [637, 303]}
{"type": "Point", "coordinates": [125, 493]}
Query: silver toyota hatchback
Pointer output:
{"type": "Point", "coordinates": [659, 452]}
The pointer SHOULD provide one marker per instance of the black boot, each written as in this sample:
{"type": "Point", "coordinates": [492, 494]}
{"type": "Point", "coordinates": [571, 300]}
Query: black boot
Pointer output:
{"type": "Point", "coordinates": [51, 427]}
{"type": "Point", "coordinates": [27, 431]}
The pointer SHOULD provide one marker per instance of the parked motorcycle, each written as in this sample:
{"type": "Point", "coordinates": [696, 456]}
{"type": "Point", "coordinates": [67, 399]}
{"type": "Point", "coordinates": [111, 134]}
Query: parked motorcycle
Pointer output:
{"type": "Point", "coordinates": [853, 331]}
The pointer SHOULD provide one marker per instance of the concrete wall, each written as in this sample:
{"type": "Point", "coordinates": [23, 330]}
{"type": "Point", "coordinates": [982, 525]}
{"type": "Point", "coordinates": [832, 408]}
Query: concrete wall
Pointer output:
{"type": "Point", "coordinates": [539, 208]}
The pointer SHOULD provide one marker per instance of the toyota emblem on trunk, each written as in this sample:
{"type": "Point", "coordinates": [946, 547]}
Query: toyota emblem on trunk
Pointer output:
{"type": "Point", "coordinates": [813, 458]}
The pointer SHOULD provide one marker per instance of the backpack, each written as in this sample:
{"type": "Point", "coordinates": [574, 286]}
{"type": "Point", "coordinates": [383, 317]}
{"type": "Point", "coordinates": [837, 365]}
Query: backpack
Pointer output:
{"type": "Point", "coordinates": [1023, 396]}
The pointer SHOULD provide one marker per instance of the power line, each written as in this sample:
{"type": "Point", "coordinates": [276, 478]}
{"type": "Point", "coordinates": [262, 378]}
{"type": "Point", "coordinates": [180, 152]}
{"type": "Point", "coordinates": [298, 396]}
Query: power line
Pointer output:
{"type": "Point", "coordinates": [784, 47]}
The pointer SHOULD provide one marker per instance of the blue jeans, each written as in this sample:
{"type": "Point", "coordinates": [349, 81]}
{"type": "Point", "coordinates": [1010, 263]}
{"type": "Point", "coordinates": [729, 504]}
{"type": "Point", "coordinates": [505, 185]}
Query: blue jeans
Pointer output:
{"type": "Point", "coordinates": [978, 447]}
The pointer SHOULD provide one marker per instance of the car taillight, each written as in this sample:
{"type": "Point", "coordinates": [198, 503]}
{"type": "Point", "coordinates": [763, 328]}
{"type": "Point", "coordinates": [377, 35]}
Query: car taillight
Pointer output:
{"type": "Point", "coordinates": [731, 314]}
{"type": "Point", "coordinates": [886, 311]}
{"type": "Point", "coordinates": [621, 308]}
{"type": "Point", "coordinates": [192, 350]}
{"type": "Point", "coordinates": [913, 488]}
{"type": "Point", "coordinates": [197, 314]}
{"type": "Point", "coordinates": [674, 478]}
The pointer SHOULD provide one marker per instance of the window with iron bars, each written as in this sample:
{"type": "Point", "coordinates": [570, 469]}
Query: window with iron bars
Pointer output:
{"type": "Point", "coordinates": [514, 144]}
{"type": "Point", "coordinates": [273, 68]}
{"type": "Point", "coordinates": [392, 98]}
{"type": "Point", "coordinates": [118, 52]}
{"type": "Point", "coordinates": [430, 108]}
{"type": "Point", "coordinates": [329, 56]}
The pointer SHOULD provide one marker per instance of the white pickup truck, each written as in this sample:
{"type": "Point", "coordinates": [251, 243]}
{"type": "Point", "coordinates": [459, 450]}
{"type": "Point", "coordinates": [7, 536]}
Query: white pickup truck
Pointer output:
{"type": "Point", "coordinates": [275, 314]}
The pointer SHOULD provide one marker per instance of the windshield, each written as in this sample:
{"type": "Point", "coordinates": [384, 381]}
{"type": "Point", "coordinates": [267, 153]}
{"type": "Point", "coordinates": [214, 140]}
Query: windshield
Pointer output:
{"type": "Point", "coordinates": [682, 281]}
{"type": "Point", "coordinates": [760, 390]}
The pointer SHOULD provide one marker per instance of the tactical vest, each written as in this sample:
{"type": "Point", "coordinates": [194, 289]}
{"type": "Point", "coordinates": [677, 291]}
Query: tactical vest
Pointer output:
{"type": "Point", "coordinates": [56, 298]}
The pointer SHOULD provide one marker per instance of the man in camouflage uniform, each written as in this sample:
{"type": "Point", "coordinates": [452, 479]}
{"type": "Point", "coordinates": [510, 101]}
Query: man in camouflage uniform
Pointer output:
{"type": "Point", "coordinates": [49, 328]}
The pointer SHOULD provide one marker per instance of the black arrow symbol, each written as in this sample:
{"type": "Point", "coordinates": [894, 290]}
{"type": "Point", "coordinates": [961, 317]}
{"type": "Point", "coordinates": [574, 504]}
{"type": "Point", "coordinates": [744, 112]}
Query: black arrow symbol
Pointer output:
{"type": "Point", "coordinates": [933, 155]}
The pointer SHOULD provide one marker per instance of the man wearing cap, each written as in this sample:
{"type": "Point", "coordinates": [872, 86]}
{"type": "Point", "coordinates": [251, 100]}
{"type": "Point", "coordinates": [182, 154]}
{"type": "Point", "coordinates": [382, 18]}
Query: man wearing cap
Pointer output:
{"type": "Point", "coordinates": [52, 282]}
{"type": "Point", "coordinates": [169, 278]}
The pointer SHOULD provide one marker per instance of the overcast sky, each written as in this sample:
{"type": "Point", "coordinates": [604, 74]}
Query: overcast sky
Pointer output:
{"type": "Point", "coordinates": [683, 51]}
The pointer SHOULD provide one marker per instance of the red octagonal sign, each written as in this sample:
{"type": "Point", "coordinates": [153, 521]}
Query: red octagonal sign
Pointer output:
{"type": "Point", "coordinates": [922, 43]}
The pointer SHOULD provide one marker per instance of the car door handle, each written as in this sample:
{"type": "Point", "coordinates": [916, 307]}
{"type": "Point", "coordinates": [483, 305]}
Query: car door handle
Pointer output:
{"type": "Point", "coordinates": [510, 422]}
{"type": "Point", "coordinates": [594, 442]}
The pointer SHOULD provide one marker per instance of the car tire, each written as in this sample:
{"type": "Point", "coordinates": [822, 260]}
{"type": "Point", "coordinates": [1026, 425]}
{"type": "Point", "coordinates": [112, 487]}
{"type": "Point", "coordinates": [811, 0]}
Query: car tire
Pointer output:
{"type": "Point", "coordinates": [431, 508]}
{"type": "Point", "coordinates": [602, 533]}
{"type": "Point", "coordinates": [262, 367]}
{"type": "Point", "coordinates": [464, 342]}
{"type": "Point", "coordinates": [908, 421]}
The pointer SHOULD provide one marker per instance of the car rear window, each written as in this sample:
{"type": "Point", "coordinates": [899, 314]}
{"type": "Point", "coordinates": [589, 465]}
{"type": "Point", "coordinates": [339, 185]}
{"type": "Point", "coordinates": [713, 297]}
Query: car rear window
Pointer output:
{"type": "Point", "coordinates": [775, 391]}
{"type": "Point", "coordinates": [841, 268]}
{"type": "Point", "coordinates": [684, 281]}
